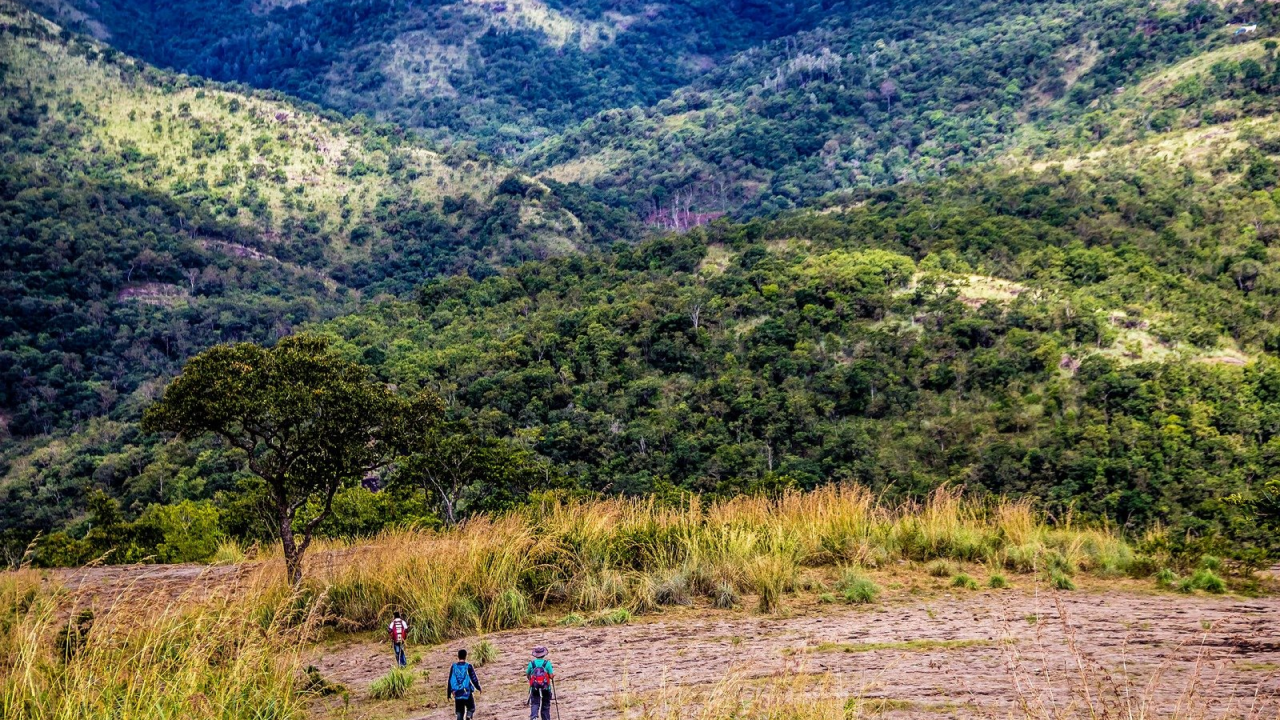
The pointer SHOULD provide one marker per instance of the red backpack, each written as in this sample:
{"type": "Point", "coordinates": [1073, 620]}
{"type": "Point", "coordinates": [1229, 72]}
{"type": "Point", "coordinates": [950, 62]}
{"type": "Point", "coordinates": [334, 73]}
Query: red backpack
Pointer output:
{"type": "Point", "coordinates": [539, 678]}
{"type": "Point", "coordinates": [398, 630]}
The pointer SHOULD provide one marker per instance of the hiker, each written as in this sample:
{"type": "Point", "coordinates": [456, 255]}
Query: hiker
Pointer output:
{"type": "Point", "coordinates": [541, 684]}
{"type": "Point", "coordinates": [399, 630]}
{"type": "Point", "coordinates": [462, 685]}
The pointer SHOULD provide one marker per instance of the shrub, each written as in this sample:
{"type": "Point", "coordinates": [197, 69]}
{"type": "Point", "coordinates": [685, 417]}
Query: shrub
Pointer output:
{"type": "Point", "coordinates": [941, 568]}
{"type": "Point", "coordinates": [1142, 566]}
{"type": "Point", "coordinates": [826, 598]}
{"type": "Point", "coordinates": [573, 620]}
{"type": "Point", "coordinates": [1208, 581]}
{"type": "Point", "coordinates": [1211, 563]}
{"type": "Point", "coordinates": [997, 581]}
{"type": "Point", "coordinates": [857, 589]}
{"type": "Point", "coordinates": [1060, 580]}
{"type": "Point", "coordinates": [392, 686]}
{"type": "Point", "coordinates": [484, 653]}
{"type": "Point", "coordinates": [1166, 578]}
{"type": "Point", "coordinates": [965, 581]}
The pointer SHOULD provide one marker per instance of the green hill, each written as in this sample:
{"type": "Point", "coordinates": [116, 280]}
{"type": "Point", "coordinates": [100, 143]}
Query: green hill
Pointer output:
{"type": "Point", "coordinates": [145, 215]}
{"type": "Point", "coordinates": [1039, 263]}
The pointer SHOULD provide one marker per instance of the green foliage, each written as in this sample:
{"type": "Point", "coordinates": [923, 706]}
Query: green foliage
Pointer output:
{"type": "Point", "coordinates": [857, 589]}
{"type": "Point", "coordinates": [964, 581]}
{"type": "Point", "coordinates": [392, 686]}
{"type": "Point", "coordinates": [615, 616]}
{"type": "Point", "coordinates": [1166, 578]}
{"type": "Point", "coordinates": [306, 420]}
{"type": "Point", "coordinates": [997, 581]}
{"type": "Point", "coordinates": [1059, 580]}
{"type": "Point", "coordinates": [1206, 580]}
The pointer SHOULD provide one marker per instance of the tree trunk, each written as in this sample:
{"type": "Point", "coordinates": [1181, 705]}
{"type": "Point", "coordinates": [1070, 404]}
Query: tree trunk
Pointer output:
{"type": "Point", "coordinates": [292, 554]}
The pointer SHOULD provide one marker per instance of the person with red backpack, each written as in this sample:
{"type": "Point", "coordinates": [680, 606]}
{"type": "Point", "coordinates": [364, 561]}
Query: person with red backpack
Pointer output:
{"type": "Point", "coordinates": [399, 630]}
{"type": "Point", "coordinates": [463, 684]}
{"type": "Point", "coordinates": [541, 683]}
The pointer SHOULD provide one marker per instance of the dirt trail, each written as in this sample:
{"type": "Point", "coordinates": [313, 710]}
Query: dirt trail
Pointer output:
{"type": "Point", "coordinates": [967, 653]}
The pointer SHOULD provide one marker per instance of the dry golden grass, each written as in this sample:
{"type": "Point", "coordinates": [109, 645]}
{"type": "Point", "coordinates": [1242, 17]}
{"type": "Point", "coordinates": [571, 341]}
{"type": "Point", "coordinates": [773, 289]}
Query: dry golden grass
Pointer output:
{"type": "Point", "coordinates": [229, 648]}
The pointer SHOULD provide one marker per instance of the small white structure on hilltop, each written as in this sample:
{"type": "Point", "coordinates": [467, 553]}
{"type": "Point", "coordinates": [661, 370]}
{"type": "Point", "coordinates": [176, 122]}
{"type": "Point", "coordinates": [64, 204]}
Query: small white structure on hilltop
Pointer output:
{"type": "Point", "coordinates": [1246, 29]}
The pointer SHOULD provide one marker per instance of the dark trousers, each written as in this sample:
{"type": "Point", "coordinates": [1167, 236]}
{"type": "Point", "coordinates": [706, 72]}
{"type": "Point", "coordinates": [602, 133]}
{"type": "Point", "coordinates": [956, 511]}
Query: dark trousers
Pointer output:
{"type": "Point", "coordinates": [464, 706]}
{"type": "Point", "coordinates": [399, 653]}
{"type": "Point", "coordinates": [539, 700]}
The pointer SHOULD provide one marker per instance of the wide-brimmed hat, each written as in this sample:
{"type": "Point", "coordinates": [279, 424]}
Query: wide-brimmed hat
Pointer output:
{"type": "Point", "coordinates": [539, 652]}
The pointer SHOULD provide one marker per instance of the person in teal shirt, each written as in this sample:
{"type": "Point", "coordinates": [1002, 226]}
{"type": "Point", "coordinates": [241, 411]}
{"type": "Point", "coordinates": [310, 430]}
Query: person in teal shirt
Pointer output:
{"type": "Point", "coordinates": [540, 674]}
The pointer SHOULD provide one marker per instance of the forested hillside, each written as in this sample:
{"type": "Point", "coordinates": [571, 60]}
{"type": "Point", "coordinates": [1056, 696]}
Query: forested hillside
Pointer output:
{"type": "Point", "coordinates": [1037, 258]}
{"type": "Point", "coordinates": [681, 111]}
{"type": "Point", "coordinates": [146, 216]}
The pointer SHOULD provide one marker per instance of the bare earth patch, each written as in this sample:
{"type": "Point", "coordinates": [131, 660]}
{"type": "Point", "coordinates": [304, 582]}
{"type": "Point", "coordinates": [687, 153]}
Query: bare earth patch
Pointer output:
{"type": "Point", "coordinates": [968, 654]}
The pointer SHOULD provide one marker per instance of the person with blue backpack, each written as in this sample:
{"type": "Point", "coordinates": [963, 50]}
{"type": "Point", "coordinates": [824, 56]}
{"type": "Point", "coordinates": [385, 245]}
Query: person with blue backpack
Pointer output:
{"type": "Point", "coordinates": [463, 685]}
{"type": "Point", "coordinates": [541, 684]}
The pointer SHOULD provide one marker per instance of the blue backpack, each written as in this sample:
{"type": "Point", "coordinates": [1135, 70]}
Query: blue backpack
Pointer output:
{"type": "Point", "coordinates": [460, 680]}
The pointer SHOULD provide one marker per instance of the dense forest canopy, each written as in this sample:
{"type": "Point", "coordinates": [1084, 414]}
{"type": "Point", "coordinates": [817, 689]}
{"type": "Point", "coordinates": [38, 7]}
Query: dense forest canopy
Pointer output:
{"type": "Point", "coordinates": [1024, 248]}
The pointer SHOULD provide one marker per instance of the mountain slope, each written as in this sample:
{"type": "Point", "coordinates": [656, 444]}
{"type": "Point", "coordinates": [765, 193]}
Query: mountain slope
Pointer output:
{"type": "Point", "coordinates": [146, 215]}
{"type": "Point", "coordinates": [681, 111]}
{"type": "Point", "coordinates": [504, 73]}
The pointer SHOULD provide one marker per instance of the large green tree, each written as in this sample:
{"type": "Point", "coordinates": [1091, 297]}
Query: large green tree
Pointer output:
{"type": "Point", "coordinates": [307, 421]}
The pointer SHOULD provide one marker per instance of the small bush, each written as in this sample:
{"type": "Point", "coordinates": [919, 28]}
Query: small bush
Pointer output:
{"type": "Point", "coordinates": [1166, 578]}
{"type": "Point", "coordinates": [616, 616]}
{"type": "Point", "coordinates": [1142, 566]}
{"type": "Point", "coordinates": [858, 590]}
{"type": "Point", "coordinates": [826, 598]}
{"type": "Point", "coordinates": [997, 581]}
{"type": "Point", "coordinates": [392, 686]}
{"type": "Point", "coordinates": [484, 653]}
{"type": "Point", "coordinates": [1022, 558]}
{"type": "Point", "coordinates": [1060, 580]}
{"type": "Point", "coordinates": [1208, 581]}
{"type": "Point", "coordinates": [1211, 563]}
{"type": "Point", "coordinates": [1186, 585]}
{"type": "Point", "coordinates": [1055, 561]}
{"type": "Point", "coordinates": [941, 568]}
{"type": "Point", "coordinates": [965, 581]}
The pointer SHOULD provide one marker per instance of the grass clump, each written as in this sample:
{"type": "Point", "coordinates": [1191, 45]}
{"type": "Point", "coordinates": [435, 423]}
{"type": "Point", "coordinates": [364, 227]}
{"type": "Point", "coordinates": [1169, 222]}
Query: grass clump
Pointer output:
{"type": "Point", "coordinates": [573, 619]}
{"type": "Point", "coordinates": [725, 596]}
{"type": "Point", "coordinates": [1206, 580]}
{"type": "Point", "coordinates": [615, 616]}
{"type": "Point", "coordinates": [484, 653]}
{"type": "Point", "coordinates": [1166, 578]}
{"type": "Point", "coordinates": [857, 589]}
{"type": "Point", "coordinates": [997, 581]}
{"type": "Point", "coordinates": [392, 686]}
{"type": "Point", "coordinates": [827, 598]}
{"type": "Point", "coordinates": [1059, 580]}
{"type": "Point", "coordinates": [964, 581]}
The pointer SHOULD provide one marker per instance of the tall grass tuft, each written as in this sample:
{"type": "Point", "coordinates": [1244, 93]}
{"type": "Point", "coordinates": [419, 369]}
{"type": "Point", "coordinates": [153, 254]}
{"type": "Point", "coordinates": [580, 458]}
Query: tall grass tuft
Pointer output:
{"type": "Point", "coordinates": [392, 686]}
